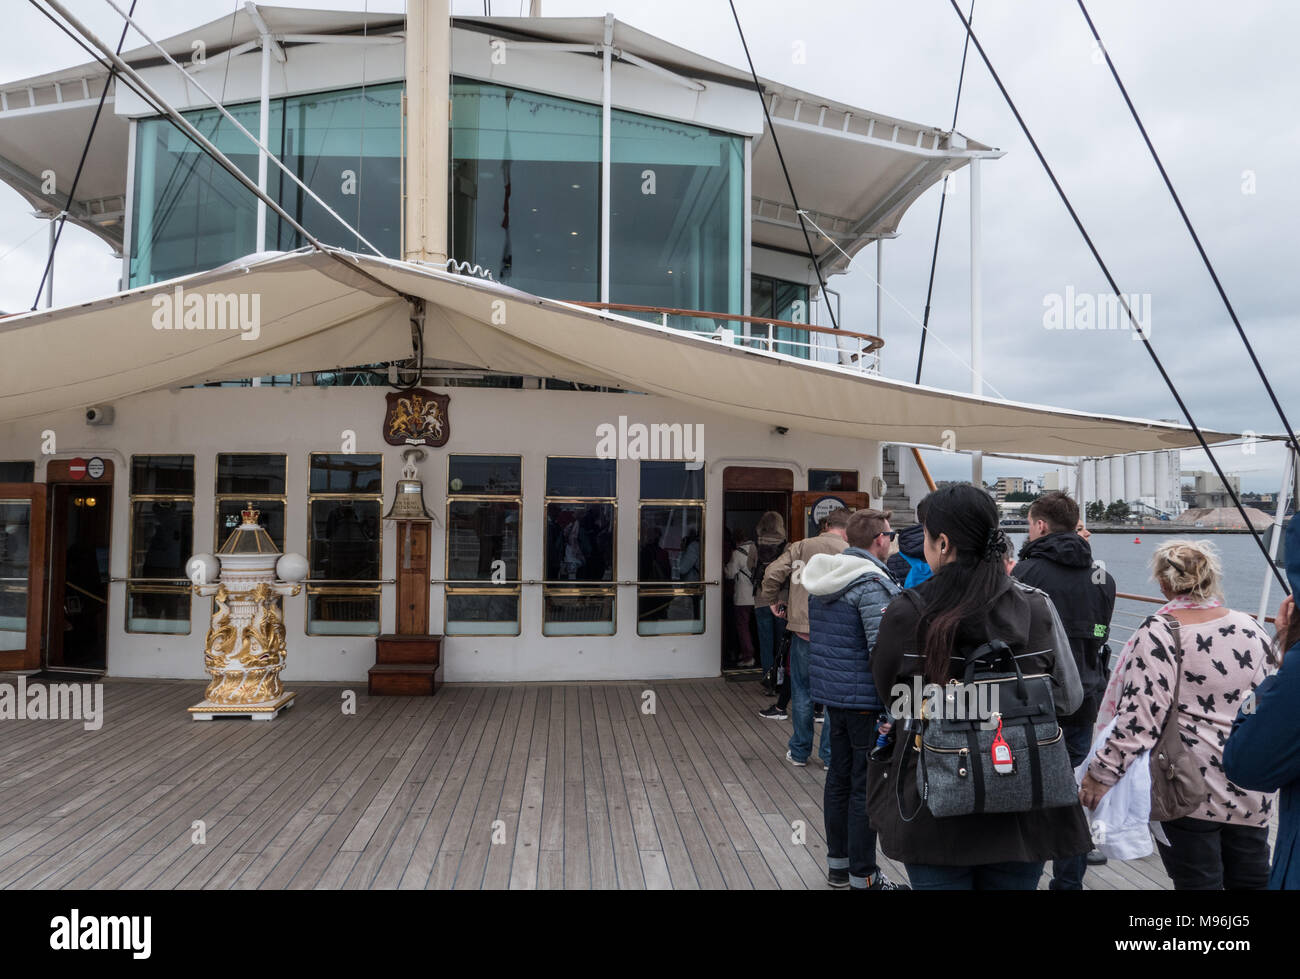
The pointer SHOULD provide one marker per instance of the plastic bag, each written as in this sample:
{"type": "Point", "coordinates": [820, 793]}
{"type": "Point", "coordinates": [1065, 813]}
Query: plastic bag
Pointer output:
{"type": "Point", "coordinates": [1120, 824]}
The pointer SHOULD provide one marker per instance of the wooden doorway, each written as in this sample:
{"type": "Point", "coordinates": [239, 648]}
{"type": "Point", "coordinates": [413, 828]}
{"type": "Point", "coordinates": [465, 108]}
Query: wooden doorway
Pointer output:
{"type": "Point", "coordinates": [747, 493]}
{"type": "Point", "coordinates": [22, 575]}
{"type": "Point", "coordinates": [80, 507]}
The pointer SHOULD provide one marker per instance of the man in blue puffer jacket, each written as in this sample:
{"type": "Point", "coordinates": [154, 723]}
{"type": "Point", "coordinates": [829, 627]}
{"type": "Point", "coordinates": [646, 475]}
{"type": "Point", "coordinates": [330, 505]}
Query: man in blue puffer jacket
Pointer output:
{"type": "Point", "coordinates": [847, 595]}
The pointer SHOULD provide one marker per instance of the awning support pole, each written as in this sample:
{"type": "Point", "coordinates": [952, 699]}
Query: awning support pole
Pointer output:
{"type": "Point", "coordinates": [49, 280]}
{"type": "Point", "coordinates": [1279, 514]}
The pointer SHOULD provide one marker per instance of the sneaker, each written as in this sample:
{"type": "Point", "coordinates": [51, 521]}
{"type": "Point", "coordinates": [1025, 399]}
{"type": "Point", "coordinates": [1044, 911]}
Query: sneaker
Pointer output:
{"type": "Point", "coordinates": [879, 882]}
{"type": "Point", "coordinates": [773, 713]}
{"type": "Point", "coordinates": [745, 664]}
{"type": "Point", "coordinates": [837, 878]}
{"type": "Point", "coordinates": [797, 764]}
{"type": "Point", "coordinates": [818, 718]}
{"type": "Point", "coordinates": [1095, 858]}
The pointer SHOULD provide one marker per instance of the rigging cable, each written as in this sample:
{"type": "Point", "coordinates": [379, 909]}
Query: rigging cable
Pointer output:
{"type": "Point", "coordinates": [943, 198]}
{"type": "Point", "coordinates": [1196, 239]}
{"type": "Point", "coordinates": [76, 177]}
{"type": "Point", "coordinates": [803, 224]}
{"type": "Point", "coordinates": [1110, 279]}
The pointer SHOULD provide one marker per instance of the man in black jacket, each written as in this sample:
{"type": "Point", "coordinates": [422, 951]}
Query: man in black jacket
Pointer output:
{"type": "Point", "coordinates": [1059, 561]}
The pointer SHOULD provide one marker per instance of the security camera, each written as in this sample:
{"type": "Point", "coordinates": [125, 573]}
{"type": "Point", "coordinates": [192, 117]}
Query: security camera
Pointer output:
{"type": "Point", "coordinates": [99, 415]}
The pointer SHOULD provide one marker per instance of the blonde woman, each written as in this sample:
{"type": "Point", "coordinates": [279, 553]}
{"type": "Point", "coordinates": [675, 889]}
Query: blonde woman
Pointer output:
{"type": "Point", "coordinates": [1225, 656]}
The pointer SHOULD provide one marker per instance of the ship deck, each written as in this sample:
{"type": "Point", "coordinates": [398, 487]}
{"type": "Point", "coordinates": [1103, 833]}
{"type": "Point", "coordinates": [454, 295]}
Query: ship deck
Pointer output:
{"type": "Point", "coordinates": [495, 786]}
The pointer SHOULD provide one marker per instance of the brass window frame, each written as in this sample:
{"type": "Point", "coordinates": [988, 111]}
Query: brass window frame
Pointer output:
{"type": "Point", "coordinates": [218, 498]}
{"type": "Point", "coordinates": [487, 588]}
{"type": "Point", "coordinates": [584, 589]}
{"type": "Point", "coordinates": [310, 590]}
{"type": "Point", "coordinates": [672, 587]}
{"type": "Point", "coordinates": [131, 500]}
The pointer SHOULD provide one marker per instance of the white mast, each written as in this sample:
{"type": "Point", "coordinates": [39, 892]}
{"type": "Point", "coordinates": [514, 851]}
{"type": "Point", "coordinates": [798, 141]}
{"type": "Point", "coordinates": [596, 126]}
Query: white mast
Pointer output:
{"type": "Point", "coordinates": [428, 130]}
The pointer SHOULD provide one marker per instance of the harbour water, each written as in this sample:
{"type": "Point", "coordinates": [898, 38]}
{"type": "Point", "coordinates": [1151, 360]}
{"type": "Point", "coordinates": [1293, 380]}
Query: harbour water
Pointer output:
{"type": "Point", "coordinates": [1129, 563]}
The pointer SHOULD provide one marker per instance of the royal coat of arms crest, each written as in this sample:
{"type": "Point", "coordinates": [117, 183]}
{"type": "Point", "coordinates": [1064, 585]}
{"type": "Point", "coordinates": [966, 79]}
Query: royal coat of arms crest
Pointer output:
{"type": "Point", "coordinates": [417, 417]}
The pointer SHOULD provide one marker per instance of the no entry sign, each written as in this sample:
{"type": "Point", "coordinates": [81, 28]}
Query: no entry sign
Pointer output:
{"type": "Point", "coordinates": [77, 468]}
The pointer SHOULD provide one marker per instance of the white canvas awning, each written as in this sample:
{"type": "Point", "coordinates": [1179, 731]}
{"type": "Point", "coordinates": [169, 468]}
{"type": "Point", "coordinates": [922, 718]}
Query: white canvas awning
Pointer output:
{"type": "Point", "coordinates": [318, 314]}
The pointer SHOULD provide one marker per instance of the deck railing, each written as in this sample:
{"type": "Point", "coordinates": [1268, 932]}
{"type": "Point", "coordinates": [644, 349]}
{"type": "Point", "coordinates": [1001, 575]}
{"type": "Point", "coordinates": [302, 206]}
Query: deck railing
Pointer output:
{"type": "Point", "coordinates": [1125, 621]}
{"type": "Point", "coordinates": [858, 351]}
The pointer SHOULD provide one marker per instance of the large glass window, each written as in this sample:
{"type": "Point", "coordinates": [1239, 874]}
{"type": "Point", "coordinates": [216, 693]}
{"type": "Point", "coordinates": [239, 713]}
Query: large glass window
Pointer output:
{"type": "Point", "coordinates": [484, 513]}
{"type": "Point", "coordinates": [525, 195]}
{"type": "Point", "coordinates": [162, 538]}
{"type": "Point", "coordinates": [670, 559]}
{"type": "Point", "coordinates": [251, 477]}
{"type": "Point", "coordinates": [15, 571]}
{"type": "Point", "coordinates": [190, 215]}
{"type": "Point", "coordinates": [581, 528]}
{"type": "Point", "coordinates": [780, 300]}
{"type": "Point", "coordinates": [344, 543]}
{"type": "Point", "coordinates": [677, 211]}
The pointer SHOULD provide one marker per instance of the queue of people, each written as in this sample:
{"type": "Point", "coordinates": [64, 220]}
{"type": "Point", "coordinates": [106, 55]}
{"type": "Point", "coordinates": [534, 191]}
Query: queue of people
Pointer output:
{"type": "Point", "coordinates": [1200, 694]}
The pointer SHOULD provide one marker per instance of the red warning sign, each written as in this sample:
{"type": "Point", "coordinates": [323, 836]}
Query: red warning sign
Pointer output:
{"type": "Point", "coordinates": [77, 468]}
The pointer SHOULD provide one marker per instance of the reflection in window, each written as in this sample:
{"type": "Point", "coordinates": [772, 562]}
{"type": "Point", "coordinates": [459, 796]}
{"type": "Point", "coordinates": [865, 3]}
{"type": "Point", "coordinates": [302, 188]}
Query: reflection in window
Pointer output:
{"type": "Point", "coordinates": [256, 478]}
{"type": "Point", "coordinates": [525, 200]}
{"type": "Point", "coordinates": [670, 557]}
{"type": "Point", "coordinates": [483, 475]}
{"type": "Point", "coordinates": [344, 543]}
{"type": "Point", "coordinates": [671, 481]}
{"type": "Point", "coordinates": [581, 527]}
{"type": "Point", "coordinates": [15, 569]}
{"type": "Point", "coordinates": [824, 480]}
{"type": "Point", "coordinates": [780, 300]}
{"type": "Point", "coordinates": [17, 472]}
{"type": "Point", "coordinates": [162, 537]}
{"type": "Point", "coordinates": [677, 211]}
{"type": "Point", "coordinates": [191, 215]}
{"type": "Point", "coordinates": [484, 511]}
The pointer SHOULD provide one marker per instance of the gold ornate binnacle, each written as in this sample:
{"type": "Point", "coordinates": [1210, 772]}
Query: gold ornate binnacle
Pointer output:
{"type": "Point", "coordinates": [245, 648]}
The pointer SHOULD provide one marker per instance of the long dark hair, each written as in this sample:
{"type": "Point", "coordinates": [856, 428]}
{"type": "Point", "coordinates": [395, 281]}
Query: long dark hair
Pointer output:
{"type": "Point", "coordinates": [963, 588]}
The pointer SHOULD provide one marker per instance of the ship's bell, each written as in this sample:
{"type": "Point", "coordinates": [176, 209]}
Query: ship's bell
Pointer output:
{"type": "Point", "coordinates": [408, 502]}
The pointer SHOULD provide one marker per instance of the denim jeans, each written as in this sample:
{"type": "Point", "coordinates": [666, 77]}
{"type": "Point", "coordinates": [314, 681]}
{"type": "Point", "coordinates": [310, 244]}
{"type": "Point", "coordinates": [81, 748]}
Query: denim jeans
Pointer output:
{"type": "Point", "coordinates": [1206, 856]}
{"type": "Point", "coordinates": [801, 707]}
{"type": "Point", "coordinates": [1067, 873]}
{"type": "Point", "coordinates": [850, 840]}
{"type": "Point", "coordinates": [1008, 876]}
{"type": "Point", "coordinates": [769, 634]}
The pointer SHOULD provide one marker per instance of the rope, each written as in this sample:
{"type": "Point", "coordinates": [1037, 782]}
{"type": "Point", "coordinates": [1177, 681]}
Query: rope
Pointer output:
{"type": "Point", "coordinates": [803, 224]}
{"type": "Point", "coordinates": [1110, 279]}
{"type": "Point", "coordinates": [76, 177]}
{"type": "Point", "coordinates": [1209, 266]}
{"type": "Point", "coordinates": [943, 199]}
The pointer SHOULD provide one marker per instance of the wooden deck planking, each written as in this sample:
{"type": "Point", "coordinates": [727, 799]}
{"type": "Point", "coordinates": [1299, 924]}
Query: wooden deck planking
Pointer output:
{"type": "Point", "coordinates": [521, 786]}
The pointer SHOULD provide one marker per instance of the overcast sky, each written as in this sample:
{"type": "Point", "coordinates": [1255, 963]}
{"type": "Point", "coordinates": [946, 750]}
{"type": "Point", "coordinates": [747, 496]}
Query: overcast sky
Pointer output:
{"type": "Point", "coordinates": [1215, 82]}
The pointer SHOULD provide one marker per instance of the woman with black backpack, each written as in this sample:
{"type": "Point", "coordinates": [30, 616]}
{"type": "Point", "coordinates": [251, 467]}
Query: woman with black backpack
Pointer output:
{"type": "Point", "coordinates": [925, 637]}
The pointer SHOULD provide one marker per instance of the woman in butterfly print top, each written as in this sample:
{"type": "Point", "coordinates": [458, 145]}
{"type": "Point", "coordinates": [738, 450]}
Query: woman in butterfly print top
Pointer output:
{"type": "Point", "coordinates": [1226, 655]}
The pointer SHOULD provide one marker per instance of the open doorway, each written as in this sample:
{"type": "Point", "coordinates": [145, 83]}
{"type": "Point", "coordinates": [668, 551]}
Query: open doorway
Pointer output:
{"type": "Point", "coordinates": [748, 493]}
{"type": "Point", "coordinates": [80, 520]}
